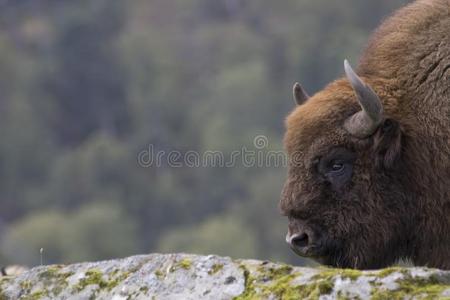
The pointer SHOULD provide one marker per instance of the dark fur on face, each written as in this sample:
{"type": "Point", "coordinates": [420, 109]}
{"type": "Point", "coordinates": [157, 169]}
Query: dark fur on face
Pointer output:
{"type": "Point", "coordinates": [367, 202]}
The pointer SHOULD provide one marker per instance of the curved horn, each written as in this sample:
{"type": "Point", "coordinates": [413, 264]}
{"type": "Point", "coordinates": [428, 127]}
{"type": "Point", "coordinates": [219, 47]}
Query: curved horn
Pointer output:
{"type": "Point", "coordinates": [366, 121]}
{"type": "Point", "coordinates": [300, 96]}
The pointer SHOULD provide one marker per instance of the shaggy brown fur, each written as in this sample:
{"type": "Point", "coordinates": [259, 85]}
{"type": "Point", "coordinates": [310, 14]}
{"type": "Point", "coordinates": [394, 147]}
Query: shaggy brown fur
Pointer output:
{"type": "Point", "coordinates": [397, 202]}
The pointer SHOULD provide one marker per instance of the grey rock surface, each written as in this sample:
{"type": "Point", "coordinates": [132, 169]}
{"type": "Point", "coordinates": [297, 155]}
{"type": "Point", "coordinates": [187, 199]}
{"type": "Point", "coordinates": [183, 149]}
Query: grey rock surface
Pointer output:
{"type": "Point", "coordinates": [184, 276]}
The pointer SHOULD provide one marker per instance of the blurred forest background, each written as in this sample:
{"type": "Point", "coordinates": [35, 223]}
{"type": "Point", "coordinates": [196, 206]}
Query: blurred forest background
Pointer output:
{"type": "Point", "coordinates": [85, 86]}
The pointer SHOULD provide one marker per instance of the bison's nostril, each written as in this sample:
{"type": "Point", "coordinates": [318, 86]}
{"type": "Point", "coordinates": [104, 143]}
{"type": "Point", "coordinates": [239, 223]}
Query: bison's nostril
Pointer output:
{"type": "Point", "coordinates": [300, 240]}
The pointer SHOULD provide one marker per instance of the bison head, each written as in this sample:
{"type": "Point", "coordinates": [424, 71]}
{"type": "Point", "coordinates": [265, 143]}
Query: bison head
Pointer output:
{"type": "Point", "coordinates": [345, 192]}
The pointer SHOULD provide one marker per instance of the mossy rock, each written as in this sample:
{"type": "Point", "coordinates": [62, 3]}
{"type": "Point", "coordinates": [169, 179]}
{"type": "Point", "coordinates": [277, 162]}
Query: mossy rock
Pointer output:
{"type": "Point", "coordinates": [183, 276]}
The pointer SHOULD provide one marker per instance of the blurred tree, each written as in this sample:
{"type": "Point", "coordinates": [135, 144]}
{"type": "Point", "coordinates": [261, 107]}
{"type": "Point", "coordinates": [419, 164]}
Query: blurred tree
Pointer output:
{"type": "Point", "coordinates": [89, 96]}
{"type": "Point", "coordinates": [222, 235]}
{"type": "Point", "coordinates": [100, 230]}
{"type": "Point", "coordinates": [23, 239]}
{"type": "Point", "coordinates": [96, 231]}
{"type": "Point", "coordinates": [96, 169]}
{"type": "Point", "coordinates": [26, 145]}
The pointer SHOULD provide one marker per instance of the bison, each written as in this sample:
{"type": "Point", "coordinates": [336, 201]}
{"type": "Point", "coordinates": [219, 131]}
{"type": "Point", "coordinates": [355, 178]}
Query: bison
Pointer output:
{"type": "Point", "coordinates": [369, 156]}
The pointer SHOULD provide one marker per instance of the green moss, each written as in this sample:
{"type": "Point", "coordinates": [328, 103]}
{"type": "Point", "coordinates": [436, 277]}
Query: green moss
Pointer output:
{"type": "Point", "coordinates": [182, 264]}
{"type": "Point", "coordinates": [282, 288]}
{"type": "Point", "coordinates": [326, 273]}
{"type": "Point", "coordinates": [3, 296]}
{"type": "Point", "coordinates": [112, 283]}
{"type": "Point", "coordinates": [272, 273]}
{"type": "Point", "coordinates": [4, 279]}
{"type": "Point", "coordinates": [60, 282]}
{"type": "Point", "coordinates": [410, 287]}
{"type": "Point", "coordinates": [215, 268]}
{"type": "Point", "coordinates": [95, 276]}
{"type": "Point", "coordinates": [268, 282]}
{"type": "Point", "coordinates": [92, 276]}
{"type": "Point", "coordinates": [159, 274]}
{"type": "Point", "coordinates": [388, 271]}
{"type": "Point", "coordinates": [53, 276]}
{"type": "Point", "coordinates": [249, 291]}
{"type": "Point", "coordinates": [25, 285]}
{"type": "Point", "coordinates": [50, 272]}
{"type": "Point", "coordinates": [280, 285]}
{"type": "Point", "coordinates": [325, 287]}
{"type": "Point", "coordinates": [185, 264]}
{"type": "Point", "coordinates": [36, 295]}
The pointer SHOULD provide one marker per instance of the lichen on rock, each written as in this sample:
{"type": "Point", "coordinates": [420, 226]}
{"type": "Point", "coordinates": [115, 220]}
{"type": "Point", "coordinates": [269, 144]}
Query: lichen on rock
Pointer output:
{"type": "Point", "coordinates": [184, 276]}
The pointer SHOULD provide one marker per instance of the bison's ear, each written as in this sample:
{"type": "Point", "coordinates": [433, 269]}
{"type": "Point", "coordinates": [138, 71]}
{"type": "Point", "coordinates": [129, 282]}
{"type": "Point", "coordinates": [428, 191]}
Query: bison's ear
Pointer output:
{"type": "Point", "coordinates": [300, 96]}
{"type": "Point", "coordinates": [388, 144]}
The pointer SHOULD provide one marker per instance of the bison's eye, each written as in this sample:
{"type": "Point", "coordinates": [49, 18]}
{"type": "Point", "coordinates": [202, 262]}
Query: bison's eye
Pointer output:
{"type": "Point", "coordinates": [337, 166]}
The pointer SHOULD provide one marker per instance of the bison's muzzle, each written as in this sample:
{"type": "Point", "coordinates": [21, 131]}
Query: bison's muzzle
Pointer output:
{"type": "Point", "coordinates": [305, 241]}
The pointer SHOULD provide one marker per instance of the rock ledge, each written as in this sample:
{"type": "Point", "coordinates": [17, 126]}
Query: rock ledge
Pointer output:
{"type": "Point", "coordinates": [183, 276]}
